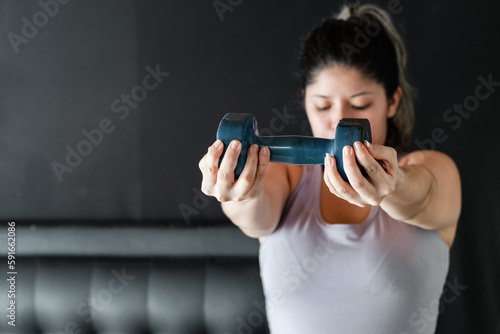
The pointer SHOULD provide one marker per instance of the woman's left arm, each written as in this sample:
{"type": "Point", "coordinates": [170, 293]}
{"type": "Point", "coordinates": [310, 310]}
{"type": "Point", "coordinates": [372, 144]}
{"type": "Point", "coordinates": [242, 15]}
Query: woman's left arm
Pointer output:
{"type": "Point", "coordinates": [423, 189]}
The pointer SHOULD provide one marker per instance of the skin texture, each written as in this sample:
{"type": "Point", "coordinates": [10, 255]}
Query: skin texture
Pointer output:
{"type": "Point", "coordinates": [422, 189]}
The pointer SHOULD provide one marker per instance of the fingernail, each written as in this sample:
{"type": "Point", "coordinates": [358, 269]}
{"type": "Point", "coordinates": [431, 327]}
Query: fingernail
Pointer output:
{"type": "Point", "coordinates": [357, 145]}
{"type": "Point", "coordinates": [329, 159]}
{"type": "Point", "coordinates": [234, 145]}
{"type": "Point", "coordinates": [368, 144]}
{"type": "Point", "coordinates": [254, 148]}
{"type": "Point", "coordinates": [347, 150]}
{"type": "Point", "coordinates": [216, 144]}
{"type": "Point", "coordinates": [265, 151]}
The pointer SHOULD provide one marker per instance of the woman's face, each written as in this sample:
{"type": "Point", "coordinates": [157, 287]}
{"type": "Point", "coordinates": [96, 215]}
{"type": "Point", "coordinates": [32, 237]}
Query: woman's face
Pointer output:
{"type": "Point", "coordinates": [342, 92]}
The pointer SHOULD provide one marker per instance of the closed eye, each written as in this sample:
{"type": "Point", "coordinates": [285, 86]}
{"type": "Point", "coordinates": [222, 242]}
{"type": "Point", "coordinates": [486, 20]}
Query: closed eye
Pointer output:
{"type": "Point", "coordinates": [361, 107]}
{"type": "Point", "coordinates": [322, 109]}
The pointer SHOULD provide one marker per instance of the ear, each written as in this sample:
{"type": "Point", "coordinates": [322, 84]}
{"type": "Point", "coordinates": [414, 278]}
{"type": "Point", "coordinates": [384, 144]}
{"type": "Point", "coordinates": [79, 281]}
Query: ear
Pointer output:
{"type": "Point", "coordinates": [394, 102]}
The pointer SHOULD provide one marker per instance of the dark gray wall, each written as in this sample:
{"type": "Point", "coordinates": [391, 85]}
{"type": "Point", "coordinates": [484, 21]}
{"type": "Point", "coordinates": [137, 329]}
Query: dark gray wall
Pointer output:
{"type": "Point", "coordinates": [58, 84]}
{"type": "Point", "coordinates": [64, 80]}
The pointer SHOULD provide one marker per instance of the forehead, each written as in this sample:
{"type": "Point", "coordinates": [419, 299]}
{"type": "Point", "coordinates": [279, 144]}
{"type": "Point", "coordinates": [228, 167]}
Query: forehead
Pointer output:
{"type": "Point", "coordinates": [342, 80]}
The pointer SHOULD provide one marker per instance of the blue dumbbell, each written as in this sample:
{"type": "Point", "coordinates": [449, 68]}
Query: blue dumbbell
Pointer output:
{"type": "Point", "coordinates": [294, 150]}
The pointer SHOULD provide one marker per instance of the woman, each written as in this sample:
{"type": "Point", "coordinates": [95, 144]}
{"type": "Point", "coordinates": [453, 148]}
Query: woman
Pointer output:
{"type": "Point", "coordinates": [368, 256]}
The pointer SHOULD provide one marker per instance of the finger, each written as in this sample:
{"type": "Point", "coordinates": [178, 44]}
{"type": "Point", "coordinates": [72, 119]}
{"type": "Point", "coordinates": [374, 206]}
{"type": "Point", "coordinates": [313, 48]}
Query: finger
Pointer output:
{"type": "Point", "coordinates": [376, 174]}
{"type": "Point", "coordinates": [225, 175]}
{"type": "Point", "coordinates": [386, 156]}
{"type": "Point", "coordinates": [351, 169]}
{"type": "Point", "coordinates": [326, 176]}
{"type": "Point", "coordinates": [367, 189]}
{"type": "Point", "coordinates": [340, 187]}
{"type": "Point", "coordinates": [264, 157]}
{"type": "Point", "coordinates": [371, 166]}
{"type": "Point", "coordinates": [247, 177]}
{"type": "Point", "coordinates": [212, 157]}
{"type": "Point", "coordinates": [209, 167]}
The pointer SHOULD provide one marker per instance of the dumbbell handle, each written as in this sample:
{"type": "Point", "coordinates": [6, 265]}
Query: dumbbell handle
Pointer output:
{"type": "Point", "coordinates": [295, 150]}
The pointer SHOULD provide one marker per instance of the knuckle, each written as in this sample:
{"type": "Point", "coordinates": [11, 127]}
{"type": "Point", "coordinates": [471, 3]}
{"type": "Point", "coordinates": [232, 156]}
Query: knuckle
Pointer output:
{"type": "Point", "coordinates": [389, 189]}
{"type": "Point", "coordinates": [210, 170]}
{"type": "Point", "coordinates": [372, 169]}
{"type": "Point", "coordinates": [221, 175]}
{"type": "Point", "coordinates": [260, 175]}
{"type": "Point", "coordinates": [261, 172]}
{"type": "Point", "coordinates": [264, 163]}
{"type": "Point", "coordinates": [207, 169]}
{"type": "Point", "coordinates": [240, 198]}
{"type": "Point", "coordinates": [246, 181]}
{"type": "Point", "coordinates": [205, 189]}
{"type": "Point", "coordinates": [202, 164]}
{"type": "Point", "coordinates": [357, 183]}
{"type": "Point", "coordinates": [223, 198]}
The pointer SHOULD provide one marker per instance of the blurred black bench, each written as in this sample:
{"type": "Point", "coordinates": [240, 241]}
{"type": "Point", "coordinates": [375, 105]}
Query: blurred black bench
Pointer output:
{"type": "Point", "coordinates": [131, 278]}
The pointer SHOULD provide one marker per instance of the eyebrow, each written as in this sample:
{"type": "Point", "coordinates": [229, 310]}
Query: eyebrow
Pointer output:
{"type": "Point", "coordinates": [361, 93]}
{"type": "Point", "coordinates": [357, 94]}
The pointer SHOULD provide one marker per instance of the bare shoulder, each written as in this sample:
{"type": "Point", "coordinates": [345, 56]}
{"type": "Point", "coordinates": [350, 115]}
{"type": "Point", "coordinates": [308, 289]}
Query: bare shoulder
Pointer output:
{"type": "Point", "coordinates": [427, 157]}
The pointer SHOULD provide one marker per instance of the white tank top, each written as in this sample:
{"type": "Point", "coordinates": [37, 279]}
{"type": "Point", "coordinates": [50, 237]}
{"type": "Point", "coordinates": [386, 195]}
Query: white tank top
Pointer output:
{"type": "Point", "coordinates": [381, 276]}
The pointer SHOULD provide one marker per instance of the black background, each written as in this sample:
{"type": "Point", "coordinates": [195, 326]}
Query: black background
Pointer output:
{"type": "Point", "coordinates": [64, 79]}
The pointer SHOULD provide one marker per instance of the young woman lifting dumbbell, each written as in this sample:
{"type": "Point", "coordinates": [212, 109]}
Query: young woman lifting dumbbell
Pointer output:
{"type": "Point", "coordinates": [357, 257]}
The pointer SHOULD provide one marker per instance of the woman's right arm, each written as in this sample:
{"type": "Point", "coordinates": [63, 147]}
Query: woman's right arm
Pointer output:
{"type": "Point", "coordinates": [254, 202]}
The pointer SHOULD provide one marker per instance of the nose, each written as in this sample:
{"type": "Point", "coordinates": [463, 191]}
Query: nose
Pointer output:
{"type": "Point", "coordinates": [343, 111]}
{"type": "Point", "coordinates": [338, 112]}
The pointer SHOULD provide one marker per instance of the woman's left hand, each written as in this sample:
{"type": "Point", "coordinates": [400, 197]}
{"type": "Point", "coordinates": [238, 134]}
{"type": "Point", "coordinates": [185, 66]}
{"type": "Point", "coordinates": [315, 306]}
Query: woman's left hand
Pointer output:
{"type": "Point", "coordinates": [381, 165]}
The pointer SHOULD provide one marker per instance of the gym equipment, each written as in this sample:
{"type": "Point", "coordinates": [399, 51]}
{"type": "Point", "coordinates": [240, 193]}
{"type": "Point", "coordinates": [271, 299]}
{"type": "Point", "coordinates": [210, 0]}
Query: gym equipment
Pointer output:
{"type": "Point", "coordinates": [294, 150]}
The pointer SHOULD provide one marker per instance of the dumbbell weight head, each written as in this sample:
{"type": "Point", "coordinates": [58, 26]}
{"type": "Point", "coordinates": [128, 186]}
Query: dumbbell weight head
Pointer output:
{"type": "Point", "coordinates": [349, 131]}
{"type": "Point", "coordinates": [238, 126]}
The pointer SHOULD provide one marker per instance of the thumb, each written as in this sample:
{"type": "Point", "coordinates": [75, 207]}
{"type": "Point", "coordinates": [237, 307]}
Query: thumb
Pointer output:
{"type": "Point", "coordinates": [386, 156]}
{"type": "Point", "coordinates": [381, 152]}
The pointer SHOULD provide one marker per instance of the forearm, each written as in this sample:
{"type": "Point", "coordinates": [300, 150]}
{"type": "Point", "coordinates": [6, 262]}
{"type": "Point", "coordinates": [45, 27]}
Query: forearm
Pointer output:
{"type": "Point", "coordinates": [256, 217]}
{"type": "Point", "coordinates": [412, 194]}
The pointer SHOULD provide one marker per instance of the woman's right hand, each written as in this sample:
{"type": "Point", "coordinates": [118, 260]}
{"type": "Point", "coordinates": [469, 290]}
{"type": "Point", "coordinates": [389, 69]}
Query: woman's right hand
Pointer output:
{"type": "Point", "coordinates": [220, 182]}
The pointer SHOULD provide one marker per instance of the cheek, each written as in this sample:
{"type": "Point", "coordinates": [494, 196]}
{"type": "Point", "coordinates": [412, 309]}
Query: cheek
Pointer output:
{"type": "Point", "coordinates": [379, 130]}
{"type": "Point", "coordinates": [315, 120]}
{"type": "Point", "coordinates": [322, 125]}
{"type": "Point", "coordinates": [315, 123]}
